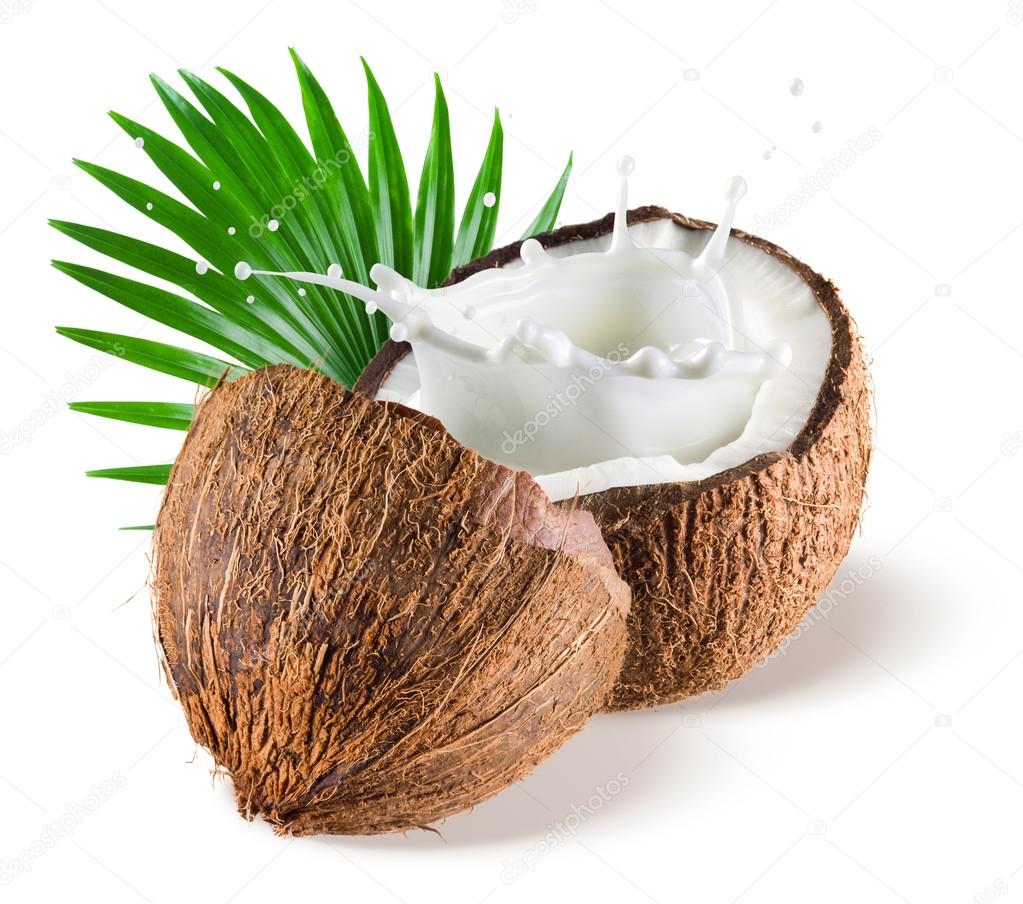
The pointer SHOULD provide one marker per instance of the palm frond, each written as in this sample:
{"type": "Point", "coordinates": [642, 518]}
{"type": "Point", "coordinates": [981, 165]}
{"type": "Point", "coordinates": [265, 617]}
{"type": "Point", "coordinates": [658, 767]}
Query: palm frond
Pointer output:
{"type": "Point", "coordinates": [254, 191]}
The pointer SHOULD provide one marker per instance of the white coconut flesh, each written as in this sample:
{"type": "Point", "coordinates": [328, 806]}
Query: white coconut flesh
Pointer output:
{"type": "Point", "coordinates": [780, 320]}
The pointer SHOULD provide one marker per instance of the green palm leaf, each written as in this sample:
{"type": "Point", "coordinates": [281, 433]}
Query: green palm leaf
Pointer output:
{"type": "Point", "coordinates": [170, 415]}
{"type": "Point", "coordinates": [435, 209]}
{"type": "Point", "coordinates": [338, 163]}
{"type": "Point", "coordinates": [177, 312]}
{"type": "Point", "coordinates": [168, 359]}
{"type": "Point", "coordinates": [249, 188]}
{"type": "Point", "coordinates": [479, 221]}
{"type": "Point", "coordinates": [156, 474]}
{"type": "Point", "coordinates": [548, 214]}
{"type": "Point", "coordinates": [388, 186]}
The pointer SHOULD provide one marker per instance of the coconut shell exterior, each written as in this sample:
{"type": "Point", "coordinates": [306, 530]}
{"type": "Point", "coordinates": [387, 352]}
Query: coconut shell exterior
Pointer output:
{"type": "Point", "coordinates": [369, 626]}
{"type": "Point", "coordinates": [723, 569]}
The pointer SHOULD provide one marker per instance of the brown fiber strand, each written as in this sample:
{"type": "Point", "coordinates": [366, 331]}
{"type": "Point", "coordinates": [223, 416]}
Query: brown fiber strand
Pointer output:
{"type": "Point", "coordinates": [724, 569]}
{"type": "Point", "coordinates": [368, 625]}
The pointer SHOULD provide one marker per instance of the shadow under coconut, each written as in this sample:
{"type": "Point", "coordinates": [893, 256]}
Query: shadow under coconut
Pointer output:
{"type": "Point", "coordinates": [619, 744]}
{"type": "Point", "coordinates": [595, 776]}
{"type": "Point", "coordinates": [865, 602]}
{"type": "Point", "coordinates": [586, 775]}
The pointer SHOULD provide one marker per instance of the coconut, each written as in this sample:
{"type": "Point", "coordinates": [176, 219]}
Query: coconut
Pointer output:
{"type": "Point", "coordinates": [721, 568]}
{"type": "Point", "coordinates": [368, 625]}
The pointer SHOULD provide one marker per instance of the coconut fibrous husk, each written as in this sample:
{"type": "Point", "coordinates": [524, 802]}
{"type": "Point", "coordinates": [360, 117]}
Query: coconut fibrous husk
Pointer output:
{"type": "Point", "coordinates": [724, 569]}
{"type": "Point", "coordinates": [369, 626]}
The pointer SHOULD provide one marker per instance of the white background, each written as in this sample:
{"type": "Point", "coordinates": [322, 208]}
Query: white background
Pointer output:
{"type": "Point", "coordinates": [877, 759]}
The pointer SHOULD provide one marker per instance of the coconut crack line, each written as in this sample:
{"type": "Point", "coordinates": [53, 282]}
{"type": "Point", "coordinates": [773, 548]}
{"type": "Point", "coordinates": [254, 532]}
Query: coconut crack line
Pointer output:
{"type": "Point", "coordinates": [496, 350]}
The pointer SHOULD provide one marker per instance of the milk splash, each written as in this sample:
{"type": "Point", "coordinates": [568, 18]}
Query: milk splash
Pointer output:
{"type": "Point", "coordinates": [554, 363]}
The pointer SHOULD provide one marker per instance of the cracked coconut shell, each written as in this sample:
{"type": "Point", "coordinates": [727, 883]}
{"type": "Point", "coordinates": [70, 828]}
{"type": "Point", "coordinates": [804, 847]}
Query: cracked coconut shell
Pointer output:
{"type": "Point", "coordinates": [723, 569]}
{"type": "Point", "coordinates": [368, 625]}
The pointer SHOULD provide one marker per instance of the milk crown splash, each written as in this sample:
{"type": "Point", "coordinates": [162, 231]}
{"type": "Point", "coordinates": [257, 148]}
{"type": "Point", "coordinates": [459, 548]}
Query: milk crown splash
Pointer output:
{"type": "Point", "coordinates": [557, 362]}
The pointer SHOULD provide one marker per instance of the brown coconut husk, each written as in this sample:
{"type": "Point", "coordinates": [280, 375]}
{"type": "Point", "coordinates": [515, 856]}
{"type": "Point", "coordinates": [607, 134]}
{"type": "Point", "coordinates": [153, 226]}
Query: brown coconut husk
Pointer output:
{"type": "Point", "coordinates": [723, 569]}
{"type": "Point", "coordinates": [368, 625]}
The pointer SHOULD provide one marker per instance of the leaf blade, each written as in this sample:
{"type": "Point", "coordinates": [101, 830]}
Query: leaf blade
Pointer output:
{"type": "Point", "coordinates": [546, 219]}
{"type": "Point", "coordinates": [434, 225]}
{"type": "Point", "coordinates": [152, 474]}
{"type": "Point", "coordinates": [388, 185]}
{"type": "Point", "coordinates": [217, 290]}
{"type": "Point", "coordinates": [479, 220]}
{"type": "Point", "coordinates": [330, 143]}
{"type": "Point", "coordinates": [176, 312]}
{"type": "Point", "coordinates": [168, 415]}
{"type": "Point", "coordinates": [183, 363]}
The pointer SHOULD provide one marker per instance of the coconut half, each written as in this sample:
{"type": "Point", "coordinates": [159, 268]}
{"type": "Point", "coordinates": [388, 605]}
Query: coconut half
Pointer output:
{"type": "Point", "coordinates": [370, 626]}
{"type": "Point", "coordinates": [726, 555]}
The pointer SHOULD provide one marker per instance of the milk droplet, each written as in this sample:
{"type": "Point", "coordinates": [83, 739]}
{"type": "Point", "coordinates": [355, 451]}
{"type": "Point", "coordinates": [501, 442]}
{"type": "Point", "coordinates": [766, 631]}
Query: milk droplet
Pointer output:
{"type": "Point", "coordinates": [334, 271]}
{"type": "Point", "coordinates": [301, 292]}
{"type": "Point", "coordinates": [625, 166]}
{"type": "Point", "coordinates": [231, 230]}
{"type": "Point", "coordinates": [140, 142]}
{"type": "Point", "coordinates": [532, 252]}
{"type": "Point", "coordinates": [796, 88]}
{"type": "Point", "coordinates": [817, 126]}
{"type": "Point", "coordinates": [489, 199]}
{"type": "Point", "coordinates": [216, 186]}
{"type": "Point", "coordinates": [527, 331]}
{"type": "Point", "coordinates": [371, 307]}
{"type": "Point", "coordinates": [399, 332]}
{"type": "Point", "coordinates": [272, 225]}
{"type": "Point", "coordinates": [735, 189]}
{"type": "Point", "coordinates": [469, 312]}
{"type": "Point", "coordinates": [201, 267]}
{"type": "Point", "coordinates": [250, 298]}
{"type": "Point", "coordinates": [149, 205]}
{"type": "Point", "coordinates": [242, 270]}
